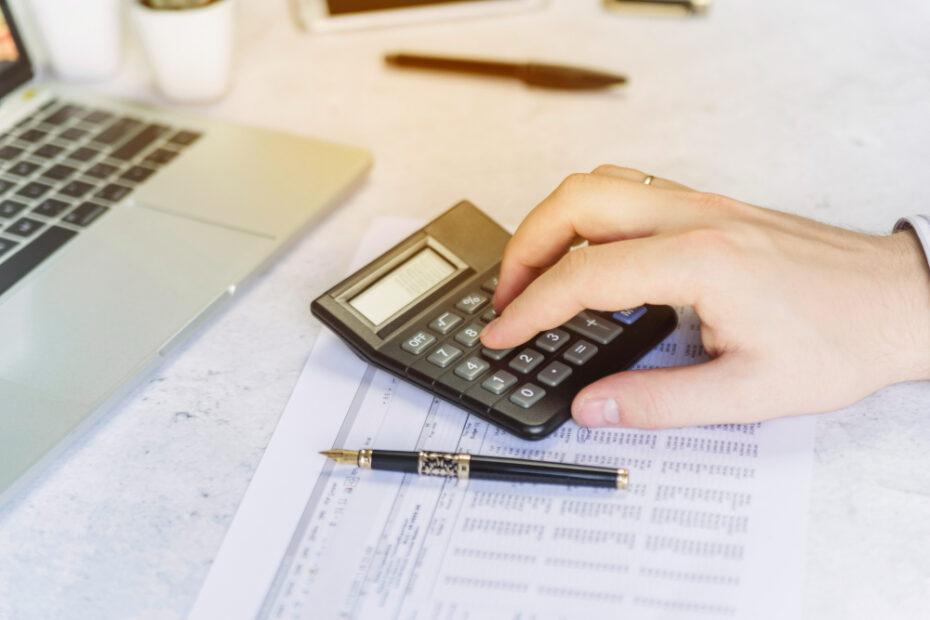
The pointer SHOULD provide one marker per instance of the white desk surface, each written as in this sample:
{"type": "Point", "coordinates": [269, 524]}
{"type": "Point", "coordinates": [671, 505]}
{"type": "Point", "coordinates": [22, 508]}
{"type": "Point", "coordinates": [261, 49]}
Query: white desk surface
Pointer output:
{"type": "Point", "coordinates": [820, 108]}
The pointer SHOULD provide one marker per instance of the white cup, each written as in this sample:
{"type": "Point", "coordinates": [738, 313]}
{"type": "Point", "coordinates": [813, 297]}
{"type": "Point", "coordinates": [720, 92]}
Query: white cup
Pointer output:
{"type": "Point", "coordinates": [83, 38]}
{"type": "Point", "coordinates": [190, 50]}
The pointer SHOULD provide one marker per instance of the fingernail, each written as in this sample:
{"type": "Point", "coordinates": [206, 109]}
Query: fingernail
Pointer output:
{"type": "Point", "coordinates": [600, 412]}
{"type": "Point", "coordinates": [489, 328]}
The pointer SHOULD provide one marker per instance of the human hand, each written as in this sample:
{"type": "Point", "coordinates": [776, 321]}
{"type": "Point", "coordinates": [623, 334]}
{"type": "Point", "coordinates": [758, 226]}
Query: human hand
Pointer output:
{"type": "Point", "coordinates": [797, 316]}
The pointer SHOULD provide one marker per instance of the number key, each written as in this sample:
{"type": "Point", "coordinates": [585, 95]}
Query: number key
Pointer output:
{"type": "Point", "coordinates": [499, 382]}
{"type": "Point", "coordinates": [469, 336]}
{"type": "Point", "coordinates": [444, 355]}
{"type": "Point", "coordinates": [471, 368]}
{"type": "Point", "coordinates": [552, 340]}
{"type": "Point", "coordinates": [526, 361]}
{"type": "Point", "coordinates": [527, 395]}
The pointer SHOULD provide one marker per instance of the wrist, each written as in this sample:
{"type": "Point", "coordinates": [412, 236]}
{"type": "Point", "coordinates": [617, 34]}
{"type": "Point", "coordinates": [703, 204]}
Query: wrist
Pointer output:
{"type": "Point", "coordinates": [911, 278]}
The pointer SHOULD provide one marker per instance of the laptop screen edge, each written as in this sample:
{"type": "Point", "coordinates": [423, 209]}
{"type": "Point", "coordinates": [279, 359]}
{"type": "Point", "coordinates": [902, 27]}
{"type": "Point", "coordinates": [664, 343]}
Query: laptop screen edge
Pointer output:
{"type": "Point", "coordinates": [21, 70]}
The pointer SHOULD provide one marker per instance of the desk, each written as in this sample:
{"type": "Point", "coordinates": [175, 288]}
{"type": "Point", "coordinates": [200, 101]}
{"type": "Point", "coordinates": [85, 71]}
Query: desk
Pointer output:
{"type": "Point", "coordinates": [819, 108]}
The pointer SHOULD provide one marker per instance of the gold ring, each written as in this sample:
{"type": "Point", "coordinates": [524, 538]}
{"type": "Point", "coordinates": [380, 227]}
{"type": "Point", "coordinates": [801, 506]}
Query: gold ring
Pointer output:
{"type": "Point", "coordinates": [648, 180]}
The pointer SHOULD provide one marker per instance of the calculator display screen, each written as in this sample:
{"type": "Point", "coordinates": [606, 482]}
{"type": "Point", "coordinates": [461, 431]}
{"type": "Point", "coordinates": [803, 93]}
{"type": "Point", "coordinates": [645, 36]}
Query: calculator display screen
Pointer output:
{"type": "Point", "coordinates": [403, 285]}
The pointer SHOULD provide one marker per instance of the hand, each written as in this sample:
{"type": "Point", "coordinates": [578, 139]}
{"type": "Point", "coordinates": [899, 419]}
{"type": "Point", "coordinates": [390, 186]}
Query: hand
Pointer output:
{"type": "Point", "coordinates": [797, 316]}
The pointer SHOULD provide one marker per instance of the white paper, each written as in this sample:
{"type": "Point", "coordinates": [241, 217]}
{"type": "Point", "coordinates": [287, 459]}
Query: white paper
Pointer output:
{"type": "Point", "coordinates": [713, 524]}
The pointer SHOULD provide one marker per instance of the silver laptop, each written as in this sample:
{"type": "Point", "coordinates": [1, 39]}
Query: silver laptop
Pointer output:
{"type": "Point", "coordinates": [122, 227]}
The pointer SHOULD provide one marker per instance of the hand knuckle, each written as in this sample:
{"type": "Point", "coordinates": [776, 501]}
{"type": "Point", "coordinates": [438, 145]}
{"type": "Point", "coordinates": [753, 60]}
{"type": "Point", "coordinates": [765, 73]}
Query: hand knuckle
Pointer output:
{"type": "Point", "coordinates": [716, 203]}
{"type": "Point", "coordinates": [653, 411]}
{"type": "Point", "coordinates": [574, 183]}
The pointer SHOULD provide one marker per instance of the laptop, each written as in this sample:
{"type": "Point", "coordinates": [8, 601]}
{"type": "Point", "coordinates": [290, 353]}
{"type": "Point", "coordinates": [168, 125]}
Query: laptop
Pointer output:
{"type": "Point", "coordinates": [122, 227]}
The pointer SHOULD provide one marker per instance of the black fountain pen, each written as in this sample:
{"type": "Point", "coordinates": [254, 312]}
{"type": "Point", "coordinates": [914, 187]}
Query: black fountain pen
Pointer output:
{"type": "Point", "coordinates": [533, 73]}
{"type": "Point", "coordinates": [465, 466]}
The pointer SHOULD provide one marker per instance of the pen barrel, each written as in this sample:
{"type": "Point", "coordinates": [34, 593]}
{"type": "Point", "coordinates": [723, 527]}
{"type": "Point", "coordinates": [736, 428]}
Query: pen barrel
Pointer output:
{"type": "Point", "coordinates": [521, 470]}
{"type": "Point", "coordinates": [395, 460]}
{"type": "Point", "coordinates": [482, 67]}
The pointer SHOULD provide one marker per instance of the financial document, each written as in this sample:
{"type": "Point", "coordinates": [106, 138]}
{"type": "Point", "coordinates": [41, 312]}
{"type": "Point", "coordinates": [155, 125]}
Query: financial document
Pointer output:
{"type": "Point", "coordinates": [713, 524]}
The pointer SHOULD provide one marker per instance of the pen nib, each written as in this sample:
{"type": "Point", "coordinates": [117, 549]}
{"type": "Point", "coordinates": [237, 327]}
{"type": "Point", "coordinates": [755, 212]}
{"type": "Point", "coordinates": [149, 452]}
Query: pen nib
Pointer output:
{"type": "Point", "coordinates": [345, 457]}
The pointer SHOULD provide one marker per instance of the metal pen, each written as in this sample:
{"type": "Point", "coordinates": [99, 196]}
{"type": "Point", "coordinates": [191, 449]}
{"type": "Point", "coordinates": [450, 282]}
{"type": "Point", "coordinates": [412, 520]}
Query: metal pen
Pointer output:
{"type": "Point", "coordinates": [465, 466]}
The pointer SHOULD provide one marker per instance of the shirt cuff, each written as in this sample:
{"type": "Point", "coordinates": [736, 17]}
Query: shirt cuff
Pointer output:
{"type": "Point", "coordinates": [920, 224]}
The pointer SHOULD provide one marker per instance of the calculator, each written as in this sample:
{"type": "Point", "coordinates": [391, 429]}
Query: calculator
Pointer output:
{"type": "Point", "coordinates": [418, 309]}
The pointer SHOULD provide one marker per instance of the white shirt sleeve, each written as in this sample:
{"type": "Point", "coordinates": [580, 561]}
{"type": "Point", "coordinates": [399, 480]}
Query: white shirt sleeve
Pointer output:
{"type": "Point", "coordinates": [920, 224]}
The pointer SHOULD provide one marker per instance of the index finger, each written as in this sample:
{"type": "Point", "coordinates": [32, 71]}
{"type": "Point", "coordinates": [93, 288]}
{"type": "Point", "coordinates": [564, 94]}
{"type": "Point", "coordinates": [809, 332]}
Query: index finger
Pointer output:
{"type": "Point", "coordinates": [596, 207]}
{"type": "Point", "coordinates": [624, 274]}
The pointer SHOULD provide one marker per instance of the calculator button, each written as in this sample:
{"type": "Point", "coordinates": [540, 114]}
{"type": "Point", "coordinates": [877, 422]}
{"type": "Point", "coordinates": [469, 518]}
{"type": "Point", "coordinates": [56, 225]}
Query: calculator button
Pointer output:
{"type": "Point", "coordinates": [592, 326]}
{"type": "Point", "coordinates": [630, 315]}
{"type": "Point", "coordinates": [496, 354]}
{"type": "Point", "coordinates": [471, 368]}
{"type": "Point", "coordinates": [490, 285]}
{"type": "Point", "coordinates": [554, 374]}
{"type": "Point", "coordinates": [471, 303]}
{"type": "Point", "coordinates": [526, 361]}
{"type": "Point", "coordinates": [444, 355]}
{"type": "Point", "coordinates": [470, 335]}
{"type": "Point", "coordinates": [580, 352]}
{"type": "Point", "coordinates": [527, 395]}
{"type": "Point", "coordinates": [552, 340]}
{"type": "Point", "coordinates": [445, 322]}
{"type": "Point", "coordinates": [489, 315]}
{"type": "Point", "coordinates": [499, 382]}
{"type": "Point", "coordinates": [418, 342]}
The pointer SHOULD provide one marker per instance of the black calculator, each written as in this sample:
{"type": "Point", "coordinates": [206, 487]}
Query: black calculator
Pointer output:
{"type": "Point", "coordinates": [418, 309]}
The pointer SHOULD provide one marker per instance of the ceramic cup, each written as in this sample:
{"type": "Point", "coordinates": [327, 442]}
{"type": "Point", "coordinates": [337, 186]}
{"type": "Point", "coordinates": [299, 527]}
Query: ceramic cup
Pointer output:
{"type": "Point", "coordinates": [83, 38]}
{"type": "Point", "coordinates": [190, 50]}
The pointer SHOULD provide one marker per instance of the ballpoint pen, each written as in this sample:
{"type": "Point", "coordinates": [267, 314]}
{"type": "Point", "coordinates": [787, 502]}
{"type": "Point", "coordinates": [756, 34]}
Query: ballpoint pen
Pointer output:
{"type": "Point", "coordinates": [465, 466]}
{"type": "Point", "coordinates": [533, 73]}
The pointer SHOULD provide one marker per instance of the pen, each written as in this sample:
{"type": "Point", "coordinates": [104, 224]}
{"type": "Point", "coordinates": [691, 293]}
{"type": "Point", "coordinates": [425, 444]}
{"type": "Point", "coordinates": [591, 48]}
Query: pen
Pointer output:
{"type": "Point", "coordinates": [465, 466]}
{"type": "Point", "coordinates": [533, 73]}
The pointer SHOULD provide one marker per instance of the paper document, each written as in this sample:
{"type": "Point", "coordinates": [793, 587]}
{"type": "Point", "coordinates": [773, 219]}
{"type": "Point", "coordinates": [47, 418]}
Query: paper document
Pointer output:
{"type": "Point", "coordinates": [713, 524]}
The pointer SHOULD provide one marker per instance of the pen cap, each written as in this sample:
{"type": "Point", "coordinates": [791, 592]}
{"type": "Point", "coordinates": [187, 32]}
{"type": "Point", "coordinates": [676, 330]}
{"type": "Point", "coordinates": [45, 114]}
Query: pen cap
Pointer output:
{"type": "Point", "coordinates": [559, 76]}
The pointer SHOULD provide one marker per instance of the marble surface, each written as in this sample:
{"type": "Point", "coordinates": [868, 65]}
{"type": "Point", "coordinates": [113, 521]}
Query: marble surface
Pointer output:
{"type": "Point", "coordinates": [820, 108]}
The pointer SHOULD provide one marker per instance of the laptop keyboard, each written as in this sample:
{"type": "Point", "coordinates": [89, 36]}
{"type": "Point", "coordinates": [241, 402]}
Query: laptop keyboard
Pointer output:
{"type": "Point", "coordinates": [63, 168]}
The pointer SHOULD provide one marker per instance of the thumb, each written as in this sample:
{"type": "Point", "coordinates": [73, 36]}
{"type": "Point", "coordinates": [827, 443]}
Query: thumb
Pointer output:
{"type": "Point", "coordinates": [722, 390]}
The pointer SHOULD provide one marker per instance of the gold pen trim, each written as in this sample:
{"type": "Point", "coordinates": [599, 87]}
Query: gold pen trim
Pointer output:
{"type": "Point", "coordinates": [623, 479]}
{"type": "Point", "coordinates": [442, 464]}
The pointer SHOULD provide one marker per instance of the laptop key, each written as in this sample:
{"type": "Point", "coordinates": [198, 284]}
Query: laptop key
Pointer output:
{"type": "Point", "coordinates": [24, 261]}
{"type": "Point", "coordinates": [62, 114]}
{"type": "Point", "coordinates": [76, 189]}
{"type": "Point", "coordinates": [24, 227]}
{"type": "Point", "coordinates": [97, 117]}
{"type": "Point", "coordinates": [185, 138]}
{"type": "Point", "coordinates": [9, 151]}
{"type": "Point", "coordinates": [83, 154]}
{"type": "Point", "coordinates": [85, 214]}
{"type": "Point", "coordinates": [51, 207]}
{"type": "Point", "coordinates": [10, 208]}
{"type": "Point", "coordinates": [118, 130]}
{"type": "Point", "coordinates": [72, 134]}
{"type": "Point", "coordinates": [6, 245]}
{"type": "Point", "coordinates": [33, 189]}
{"type": "Point", "coordinates": [23, 168]}
{"type": "Point", "coordinates": [32, 135]}
{"type": "Point", "coordinates": [113, 192]}
{"type": "Point", "coordinates": [101, 171]}
{"type": "Point", "coordinates": [139, 142]}
{"type": "Point", "coordinates": [137, 174]}
{"type": "Point", "coordinates": [59, 172]}
{"type": "Point", "coordinates": [48, 151]}
{"type": "Point", "coordinates": [161, 156]}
